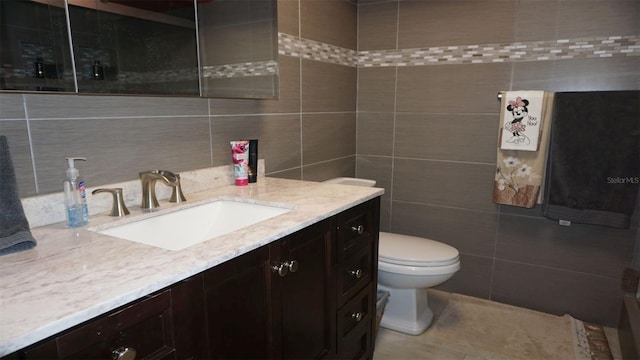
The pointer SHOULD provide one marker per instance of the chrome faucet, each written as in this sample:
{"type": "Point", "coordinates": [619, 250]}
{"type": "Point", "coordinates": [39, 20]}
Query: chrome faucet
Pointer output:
{"type": "Point", "coordinates": [149, 178]}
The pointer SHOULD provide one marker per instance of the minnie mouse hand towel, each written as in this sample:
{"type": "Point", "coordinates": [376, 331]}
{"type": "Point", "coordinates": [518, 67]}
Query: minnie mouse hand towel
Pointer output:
{"type": "Point", "coordinates": [521, 120]}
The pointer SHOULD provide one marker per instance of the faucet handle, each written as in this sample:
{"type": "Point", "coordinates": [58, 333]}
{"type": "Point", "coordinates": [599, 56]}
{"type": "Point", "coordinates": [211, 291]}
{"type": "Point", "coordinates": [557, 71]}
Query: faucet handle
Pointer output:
{"type": "Point", "coordinates": [118, 207]}
{"type": "Point", "coordinates": [169, 176]}
{"type": "Point", "coordinates": [176, 191]}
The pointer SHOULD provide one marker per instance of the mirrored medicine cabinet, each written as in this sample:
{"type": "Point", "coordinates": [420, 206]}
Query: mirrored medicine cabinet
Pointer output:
{"type": "Point", "coordinates": [208, 48]}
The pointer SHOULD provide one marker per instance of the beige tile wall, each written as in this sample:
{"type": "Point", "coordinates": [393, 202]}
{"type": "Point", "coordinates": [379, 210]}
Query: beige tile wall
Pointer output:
{"type": "Point", "coordinates": [427, 132]}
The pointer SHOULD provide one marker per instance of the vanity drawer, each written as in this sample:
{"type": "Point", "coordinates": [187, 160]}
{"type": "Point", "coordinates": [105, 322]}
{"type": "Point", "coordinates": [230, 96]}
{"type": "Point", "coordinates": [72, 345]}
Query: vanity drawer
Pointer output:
{"type": "Point", "coordinates": [145, 326]}
{"type": "Point", "coordinates": [355, 326]}
{"type": "Point", "coordinates": [356, 228]}
{"type": "Point", "coordinates": [355, 273]}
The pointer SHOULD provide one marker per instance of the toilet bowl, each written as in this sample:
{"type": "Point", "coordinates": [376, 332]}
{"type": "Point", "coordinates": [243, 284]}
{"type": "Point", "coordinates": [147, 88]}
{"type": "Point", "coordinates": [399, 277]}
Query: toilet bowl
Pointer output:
{"type": "Point", "coordinates": [407, 267]}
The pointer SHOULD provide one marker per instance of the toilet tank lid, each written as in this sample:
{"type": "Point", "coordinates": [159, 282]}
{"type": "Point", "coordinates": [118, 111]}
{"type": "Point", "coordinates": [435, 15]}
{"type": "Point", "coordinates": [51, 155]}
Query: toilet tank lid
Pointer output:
{"type": "Point", "coordinates": [351, 181]}
{"type": "Point", "coordinates": [416, 251]}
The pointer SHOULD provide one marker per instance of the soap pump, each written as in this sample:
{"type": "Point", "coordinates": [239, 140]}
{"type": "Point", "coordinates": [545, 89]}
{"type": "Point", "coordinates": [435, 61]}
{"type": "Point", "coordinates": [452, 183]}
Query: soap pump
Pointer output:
{"type": "Point", "coordinates": [74, 196]}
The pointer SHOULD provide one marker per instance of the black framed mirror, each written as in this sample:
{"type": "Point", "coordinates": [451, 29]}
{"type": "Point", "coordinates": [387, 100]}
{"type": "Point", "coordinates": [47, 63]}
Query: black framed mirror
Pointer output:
{"type": "Point", "coordinates": [208, 48]}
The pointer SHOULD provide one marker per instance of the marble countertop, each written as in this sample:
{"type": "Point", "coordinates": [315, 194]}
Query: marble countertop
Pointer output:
{"type": "Point", "coordinates": [74, 275]}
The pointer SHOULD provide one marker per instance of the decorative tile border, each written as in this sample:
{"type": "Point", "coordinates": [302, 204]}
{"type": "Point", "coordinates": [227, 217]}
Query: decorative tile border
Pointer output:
{"type": "Point", "coordinates": [596, 47]}
{"type": "Point", "coordinates": [313, 50]}
{"type": "Point", "coordinates": [258, 68]}
{"type": "Point", "coordinates": [160, 76]}
{"type": "Point", "coordinates": [582, 48]}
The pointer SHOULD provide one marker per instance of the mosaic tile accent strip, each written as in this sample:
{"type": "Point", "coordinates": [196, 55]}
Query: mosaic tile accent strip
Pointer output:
{"type": "Point", "coordinates": [582, 48]}
{"type": "Point", "coordinates": [313, 50]}
{"type": "Point", "coordinates": [152, 77]}
{"type": "Point", "coordinates": [259, 68]}
{"type": "Point", "coordinates": [597, 47]}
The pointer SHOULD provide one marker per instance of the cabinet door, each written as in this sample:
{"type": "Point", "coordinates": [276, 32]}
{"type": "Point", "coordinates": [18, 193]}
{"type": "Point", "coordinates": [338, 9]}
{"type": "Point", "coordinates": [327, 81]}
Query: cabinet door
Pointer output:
{"type": "Point", "coordinates": [238, 307]}
{"type": "Point", "coordinates": [189, 328]}
{"type": "Point", "coordinates": [305, 293]}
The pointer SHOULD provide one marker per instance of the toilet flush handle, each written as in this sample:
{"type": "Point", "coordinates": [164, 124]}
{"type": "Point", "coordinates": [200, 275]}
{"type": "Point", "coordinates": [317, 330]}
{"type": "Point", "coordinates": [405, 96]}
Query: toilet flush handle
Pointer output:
{"type": "Point", "coordinates": [359, 229]}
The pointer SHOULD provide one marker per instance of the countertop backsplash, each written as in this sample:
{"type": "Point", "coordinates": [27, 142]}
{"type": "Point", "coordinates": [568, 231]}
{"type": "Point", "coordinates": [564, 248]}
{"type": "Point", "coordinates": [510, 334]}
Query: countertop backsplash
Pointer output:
{"type": "Point", "coordinates": [49, 209]}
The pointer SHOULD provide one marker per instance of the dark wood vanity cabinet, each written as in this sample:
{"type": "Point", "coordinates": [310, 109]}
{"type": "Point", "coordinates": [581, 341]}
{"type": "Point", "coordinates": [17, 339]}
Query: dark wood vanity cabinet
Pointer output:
{"type": "Point", "coordinates": [309, 295]}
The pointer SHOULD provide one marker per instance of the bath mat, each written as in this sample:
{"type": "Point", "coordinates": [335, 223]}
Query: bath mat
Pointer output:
{"type": "Point", "coordinates": [500, 331]}
{"type": "Point", "coordinates": [590, 341]}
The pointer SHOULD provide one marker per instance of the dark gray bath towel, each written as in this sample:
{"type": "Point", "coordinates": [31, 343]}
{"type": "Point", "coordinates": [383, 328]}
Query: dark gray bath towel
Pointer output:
{"type": "Point", "coordinates": [594, 158]}
{"type": "Point", "coordinates": [15, 234]}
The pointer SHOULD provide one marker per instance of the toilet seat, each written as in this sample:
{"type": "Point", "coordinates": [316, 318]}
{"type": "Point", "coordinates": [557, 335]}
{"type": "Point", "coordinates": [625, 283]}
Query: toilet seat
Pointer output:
{"type": "Point", "coordinates": [411, 251]}
{"type": "Point", "coordinates": [419, 270]}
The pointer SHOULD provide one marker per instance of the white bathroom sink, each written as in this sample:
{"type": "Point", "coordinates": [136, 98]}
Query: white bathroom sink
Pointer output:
{"type": "Point", "coordinates": [183, 228]}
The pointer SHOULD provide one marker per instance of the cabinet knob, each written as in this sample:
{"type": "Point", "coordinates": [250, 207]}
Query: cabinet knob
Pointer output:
{"type": "Point", "coordinates": [357, 316]}
{"type": "Point", "coordinates": [359, 229]}
{"type": "Point", "coordinates": [356, 273]}
{"type": "Point", "coordinates": [292, 265]}
{"type": "Point", "coordinates": [123, 353]}
{"type": "Point", "coordinates": [285, 267]}
{"type": "Point", "coordinates": [282, 269]}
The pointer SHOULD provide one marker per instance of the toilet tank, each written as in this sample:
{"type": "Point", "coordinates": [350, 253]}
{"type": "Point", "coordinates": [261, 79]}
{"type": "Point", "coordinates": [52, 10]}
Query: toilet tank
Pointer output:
{"type": "Point", "coordinates": [352, 181]}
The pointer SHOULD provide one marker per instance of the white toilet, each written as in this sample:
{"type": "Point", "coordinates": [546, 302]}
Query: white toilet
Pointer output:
{"type": "Point", "coordinates": [407, 267]}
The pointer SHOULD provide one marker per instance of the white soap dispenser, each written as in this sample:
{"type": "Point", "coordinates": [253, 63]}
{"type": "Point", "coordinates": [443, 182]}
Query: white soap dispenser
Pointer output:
{"type": "Point", "coordinates": [74, 196]}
